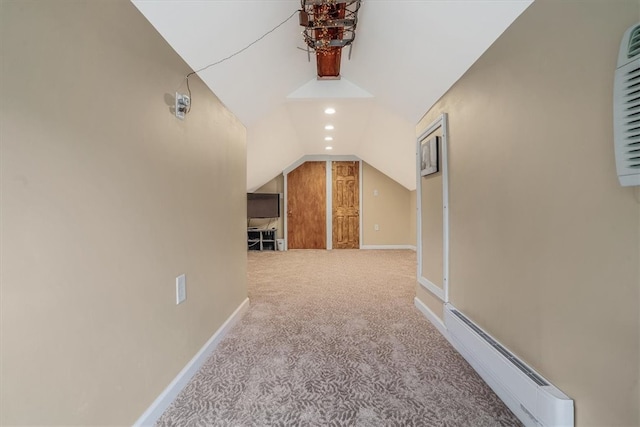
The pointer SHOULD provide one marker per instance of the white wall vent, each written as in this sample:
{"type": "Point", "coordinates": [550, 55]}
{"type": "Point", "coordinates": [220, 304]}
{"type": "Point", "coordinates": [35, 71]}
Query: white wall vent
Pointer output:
{"type": "Point", "coordinates": [533, 399]}
{"type": "Point", "coordinates": [626, 108]}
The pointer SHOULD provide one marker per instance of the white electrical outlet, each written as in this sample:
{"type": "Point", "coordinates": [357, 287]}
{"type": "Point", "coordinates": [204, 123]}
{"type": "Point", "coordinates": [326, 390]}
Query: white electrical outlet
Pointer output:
{"type": "Point", "coordinates": [181, 288]}
{"type": "Point", "coordinates": [376, 227]}
{"type": "Point", "coordinates": [375, 193]}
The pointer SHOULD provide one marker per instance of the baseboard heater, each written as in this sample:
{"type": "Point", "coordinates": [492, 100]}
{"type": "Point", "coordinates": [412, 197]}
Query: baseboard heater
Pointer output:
{"type": "Point", "coordinates": [535, 401]}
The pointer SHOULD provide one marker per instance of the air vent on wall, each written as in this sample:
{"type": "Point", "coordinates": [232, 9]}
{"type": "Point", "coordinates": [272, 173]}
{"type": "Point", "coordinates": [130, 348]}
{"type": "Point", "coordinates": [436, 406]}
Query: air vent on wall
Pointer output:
{"type": "Point", "coordinates": [626, 108]}
{"type": "Point", "coordinates": [634, 42]}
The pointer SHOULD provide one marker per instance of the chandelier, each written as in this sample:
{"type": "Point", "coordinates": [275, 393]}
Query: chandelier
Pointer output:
{"type": "Point", "coordinates": [329, 25]}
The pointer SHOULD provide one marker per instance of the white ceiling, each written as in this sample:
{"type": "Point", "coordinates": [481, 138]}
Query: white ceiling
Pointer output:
{"type": "Point", "coordinates": [405, 56]}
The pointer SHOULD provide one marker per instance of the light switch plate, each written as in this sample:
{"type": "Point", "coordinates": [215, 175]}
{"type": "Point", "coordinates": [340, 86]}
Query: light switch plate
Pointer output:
{"type": "Point", "coordinates": [181, 288]}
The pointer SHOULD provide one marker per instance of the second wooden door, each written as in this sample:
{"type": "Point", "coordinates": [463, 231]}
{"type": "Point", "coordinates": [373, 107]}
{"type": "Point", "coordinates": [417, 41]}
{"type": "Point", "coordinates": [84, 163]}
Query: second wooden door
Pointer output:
{"type": "Point", "coordinates": [346, 205]}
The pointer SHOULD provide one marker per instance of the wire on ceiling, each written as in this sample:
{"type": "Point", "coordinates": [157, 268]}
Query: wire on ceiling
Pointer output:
{"type": "Point", "coordinates": [186, 78]}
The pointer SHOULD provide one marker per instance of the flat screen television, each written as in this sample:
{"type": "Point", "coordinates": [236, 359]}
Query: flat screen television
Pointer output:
{"type": "Point", "coordinates": [263, 205]}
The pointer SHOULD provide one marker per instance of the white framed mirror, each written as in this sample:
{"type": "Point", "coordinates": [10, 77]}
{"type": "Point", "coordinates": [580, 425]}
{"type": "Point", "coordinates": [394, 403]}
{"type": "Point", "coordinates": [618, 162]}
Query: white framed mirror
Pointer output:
{"type": "Point", "coordinates": [433, 206]}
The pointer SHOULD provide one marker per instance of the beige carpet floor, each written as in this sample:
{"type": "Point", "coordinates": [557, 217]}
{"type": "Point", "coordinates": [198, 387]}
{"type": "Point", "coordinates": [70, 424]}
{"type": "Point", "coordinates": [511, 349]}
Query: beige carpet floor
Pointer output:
{"type": "Point", "coordinates": [332, 338]}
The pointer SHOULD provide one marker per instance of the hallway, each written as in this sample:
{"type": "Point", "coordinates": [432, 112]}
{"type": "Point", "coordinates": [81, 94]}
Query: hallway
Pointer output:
{"type": "Point", "coordinates": [333, 338]}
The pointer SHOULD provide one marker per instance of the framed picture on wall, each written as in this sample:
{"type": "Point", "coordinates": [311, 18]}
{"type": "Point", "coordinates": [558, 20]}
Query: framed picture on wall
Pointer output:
{"type": "Point", "coordinates": [429, 156]}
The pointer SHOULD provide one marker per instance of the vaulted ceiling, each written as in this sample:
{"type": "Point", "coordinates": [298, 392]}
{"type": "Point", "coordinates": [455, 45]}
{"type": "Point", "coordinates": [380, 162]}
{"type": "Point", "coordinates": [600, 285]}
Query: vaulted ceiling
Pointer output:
{"type": "Point", "coordinates": [405, 56]}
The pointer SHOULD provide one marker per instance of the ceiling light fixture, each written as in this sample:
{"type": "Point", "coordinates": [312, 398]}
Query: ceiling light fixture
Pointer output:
{"type": "Point", "coordinates": [328, 127]}
{"type": "Point", "coordinates": [329, 110]}
{"type": "Point", "coordinates": [328, 138]}
{"type": "Point", "coordinates": [328, 147]}
{"type": "Point", "coordinates": [329, 25]}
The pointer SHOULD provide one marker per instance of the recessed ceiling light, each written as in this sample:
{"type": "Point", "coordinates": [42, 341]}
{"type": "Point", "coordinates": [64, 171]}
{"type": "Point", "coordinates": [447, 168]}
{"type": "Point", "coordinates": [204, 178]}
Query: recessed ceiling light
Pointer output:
{"type": "Point", "coordinates": [328, 147]}
{"type": "Point", "coordinates": [328, 127]}
{"type": "Point", "coordinates": [330, 111]}
{"type": "Point", "coordinates": [328, 138]}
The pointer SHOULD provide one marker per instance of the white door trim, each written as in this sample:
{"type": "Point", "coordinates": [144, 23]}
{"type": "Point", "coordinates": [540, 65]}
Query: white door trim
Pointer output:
{"type": "Point", "coordinates": [440, 292]}
{"type": "Point", "coordinates": [329, 204]}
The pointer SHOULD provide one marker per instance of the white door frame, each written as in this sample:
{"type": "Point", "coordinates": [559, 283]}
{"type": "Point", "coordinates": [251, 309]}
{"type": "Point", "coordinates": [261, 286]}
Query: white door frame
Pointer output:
{"type": "Point", "coordinates": [441, 292]}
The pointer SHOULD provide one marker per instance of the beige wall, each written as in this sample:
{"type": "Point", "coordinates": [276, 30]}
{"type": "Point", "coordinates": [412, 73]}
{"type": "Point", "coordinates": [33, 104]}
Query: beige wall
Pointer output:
{"type": "Point", "coordinates": [106, 198]}
{"type": "Point", "coordinates": [390, 209]}
{"type": "Point", "coordinates": [544, 241]}
{"type": "Point", "coordinates": [276, 185]}
{"type": "Point", "coordinates": [413, 212]}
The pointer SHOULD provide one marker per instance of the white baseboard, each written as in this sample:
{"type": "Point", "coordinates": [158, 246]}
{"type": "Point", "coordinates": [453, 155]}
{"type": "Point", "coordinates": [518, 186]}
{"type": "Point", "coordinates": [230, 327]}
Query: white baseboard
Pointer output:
{"type": "Point", "coordinates": [413, 248]}
{"type": "Point", "coordinates": [435, 290]}
{"type": "Point", "coordinates": [432, 317]}
{"type": "Point", "coordinates": [510, 378]}
{"type": "Point", "coordinates": [168, 395]}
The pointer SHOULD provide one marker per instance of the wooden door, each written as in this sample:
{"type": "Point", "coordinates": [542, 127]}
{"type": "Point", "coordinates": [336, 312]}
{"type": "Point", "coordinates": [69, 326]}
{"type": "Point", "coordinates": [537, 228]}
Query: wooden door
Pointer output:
{"type": "Point", "coordinates": [346, 205]}
{"type": "Point", "coordinates": [307, 206]}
